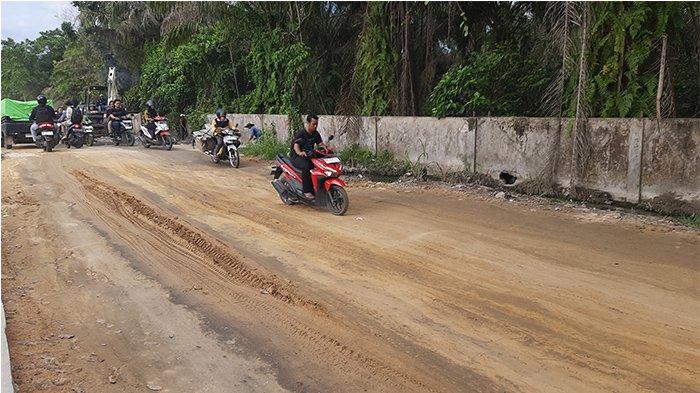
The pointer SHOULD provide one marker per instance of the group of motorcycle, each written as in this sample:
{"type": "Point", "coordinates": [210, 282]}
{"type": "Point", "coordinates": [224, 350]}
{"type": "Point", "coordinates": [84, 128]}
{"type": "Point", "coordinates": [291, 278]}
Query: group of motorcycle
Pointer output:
{"type": "Point", "coordinates": [79, 135]}
{"type": "Point", "coordinates": [325, 174]}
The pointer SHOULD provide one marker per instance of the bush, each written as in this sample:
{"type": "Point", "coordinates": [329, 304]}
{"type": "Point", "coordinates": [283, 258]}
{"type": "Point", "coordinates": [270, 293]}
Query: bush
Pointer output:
{"type": "Point", "coordinates": [496, 79]}
{"type": "Point", "coordinates": [384, 163]}
{"type": "Point", "coordinates": [355, 155]}
{"type": "Point", "coordinates": [267, 147]}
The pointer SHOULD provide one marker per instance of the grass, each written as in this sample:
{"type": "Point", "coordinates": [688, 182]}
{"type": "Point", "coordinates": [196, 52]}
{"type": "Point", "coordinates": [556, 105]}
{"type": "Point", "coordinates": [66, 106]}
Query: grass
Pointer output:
{"type": "Point", "coordinates": [384, 163]}
{"type": "Point", "coordinates": [266, 147]}
{"type": "Point", "coordinates": [691, 221]}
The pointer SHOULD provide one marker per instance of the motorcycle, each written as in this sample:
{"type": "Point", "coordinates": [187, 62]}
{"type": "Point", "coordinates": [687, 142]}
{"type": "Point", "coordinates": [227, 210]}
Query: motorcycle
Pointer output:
{"type": "Point", "coordinates": [76, 136]}
{"type": "Point", "coordinates": [161, 135]}
{"type": "Point", "coordinates": [325, 176]}
{"type": "Point", "coordinates": [88, 136]}
{"type": "Point", "coordinates": [228, 152]}
{"type": "Point", "coordinates": [127, 133]}
{"type": "Point", "coordinates": [49, 136]}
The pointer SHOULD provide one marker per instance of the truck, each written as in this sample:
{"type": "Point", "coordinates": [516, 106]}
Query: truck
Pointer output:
{"type": "Point", "coordinates": [15, 121]}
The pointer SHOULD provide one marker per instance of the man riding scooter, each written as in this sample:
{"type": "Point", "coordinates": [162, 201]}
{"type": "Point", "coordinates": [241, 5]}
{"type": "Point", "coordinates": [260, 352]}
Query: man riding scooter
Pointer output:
{"type": "Point", "coordinates": [304, 141]}
{"type": "Point", "coordinates": [42, 113]}
{"type": "Point", "coordinates": [149, 115]}
{"type": "Point", "coordinates": [114, 117]}
{"type": "Point", "coordinates": [220, 123]}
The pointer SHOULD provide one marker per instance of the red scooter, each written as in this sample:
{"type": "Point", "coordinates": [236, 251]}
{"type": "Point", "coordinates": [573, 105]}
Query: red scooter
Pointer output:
{"type": "Point", "coordinates": [328, 186]}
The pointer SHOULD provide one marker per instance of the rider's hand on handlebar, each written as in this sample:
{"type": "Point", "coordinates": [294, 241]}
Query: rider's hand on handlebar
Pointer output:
{"type": "Point", "coordinates": [303, 154]}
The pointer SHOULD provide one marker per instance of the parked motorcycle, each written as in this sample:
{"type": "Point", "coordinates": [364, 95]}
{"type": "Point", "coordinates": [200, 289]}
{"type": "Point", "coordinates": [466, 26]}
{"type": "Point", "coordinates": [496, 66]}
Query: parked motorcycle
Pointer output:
{"type": "Point", "coordinates": [229, 152]}
{"type": "Point", "coordinates": [161, 136]}
{"type": "Point", "coordinates": [49, 136]}
{"type": "Point", "coordinates": [76, 136]}
{"type": "Point", "coordinates": [325, 174]}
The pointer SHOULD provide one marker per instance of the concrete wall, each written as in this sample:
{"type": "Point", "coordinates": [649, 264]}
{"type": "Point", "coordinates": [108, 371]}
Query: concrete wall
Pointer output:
{"type": "Point", "coordinates": [629, 160]}
{"type": "Point", "coordinates": [670, 164]}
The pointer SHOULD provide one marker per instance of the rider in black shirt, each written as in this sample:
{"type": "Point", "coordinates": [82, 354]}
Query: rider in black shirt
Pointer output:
{"type": "Point", "coordinates": [114, 116]}
{"type": "Point", "coordinates": [303, 143]}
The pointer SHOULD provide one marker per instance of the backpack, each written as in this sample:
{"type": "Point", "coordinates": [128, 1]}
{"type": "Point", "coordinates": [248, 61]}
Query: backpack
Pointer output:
{"type": "Point", "coordinates": [77, 116]}
{"type": "Point", "coordinates": [44, 114]}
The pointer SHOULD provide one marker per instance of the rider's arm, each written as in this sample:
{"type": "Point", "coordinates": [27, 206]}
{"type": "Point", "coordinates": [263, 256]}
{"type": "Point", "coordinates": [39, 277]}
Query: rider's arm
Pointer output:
{"type": "Point", "coordinates": [319, 141]}
{"type": "Point", "coordinates": [32, 115]}
{"type": "Point", "coordinates": [297, 149]}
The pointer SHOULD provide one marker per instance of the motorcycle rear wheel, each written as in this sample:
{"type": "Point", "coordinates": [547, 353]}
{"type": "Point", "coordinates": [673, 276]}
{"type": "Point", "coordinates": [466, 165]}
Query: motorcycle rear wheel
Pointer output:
{"type": "Point", "coordinates": [285, 196]}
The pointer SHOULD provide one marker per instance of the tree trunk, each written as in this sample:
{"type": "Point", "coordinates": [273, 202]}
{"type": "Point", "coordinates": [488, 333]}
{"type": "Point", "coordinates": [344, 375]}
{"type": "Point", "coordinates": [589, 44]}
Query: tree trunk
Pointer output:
{"type": "Point", "coordinates": [662, 71]}
{"type": "Point", "coordinates": [580, 112]}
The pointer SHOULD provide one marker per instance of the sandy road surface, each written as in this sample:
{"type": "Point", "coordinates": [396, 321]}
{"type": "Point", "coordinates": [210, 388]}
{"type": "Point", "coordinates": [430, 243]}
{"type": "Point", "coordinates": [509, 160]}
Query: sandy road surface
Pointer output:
{"type": "Point", "coordinates": [177, 274]}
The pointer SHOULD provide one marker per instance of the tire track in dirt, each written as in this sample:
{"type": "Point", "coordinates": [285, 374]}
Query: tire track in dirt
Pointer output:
{"type": "Point", "coordinates": [338, 354]}
{"type": "Point", "coordinates": [529, 323]}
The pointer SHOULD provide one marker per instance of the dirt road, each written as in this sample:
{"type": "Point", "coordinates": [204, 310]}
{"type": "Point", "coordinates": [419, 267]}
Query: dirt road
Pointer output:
{"type": "Point", "coordinates": [126, 269]}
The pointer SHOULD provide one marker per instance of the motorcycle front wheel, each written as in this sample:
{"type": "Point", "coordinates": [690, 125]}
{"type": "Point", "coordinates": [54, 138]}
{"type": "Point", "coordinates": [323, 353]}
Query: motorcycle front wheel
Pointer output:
{"type": "Point", "coordinates": [89, 140]}
{"type": "Point", "coordinates": [129, 138]}
{"type": "Point", "coordinates": [168, 142]}
{"type": "Point", "coordinates": [233, 158]}
{"type": "Point", "coordinates": [338, 201]}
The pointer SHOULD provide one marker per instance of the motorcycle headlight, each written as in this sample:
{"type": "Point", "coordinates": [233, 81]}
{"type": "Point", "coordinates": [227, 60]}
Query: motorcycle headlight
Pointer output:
{"type": "Point", "coordinates": [328, 173]}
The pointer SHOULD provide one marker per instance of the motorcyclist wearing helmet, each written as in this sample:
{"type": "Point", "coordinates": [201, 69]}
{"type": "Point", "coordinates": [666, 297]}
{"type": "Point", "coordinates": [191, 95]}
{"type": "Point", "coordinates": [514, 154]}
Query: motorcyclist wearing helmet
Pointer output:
{"type": "Point", "coordinates": [42, 113]}
{"type": "Point", "coordinates": [220, 123]}
{"type": "Point", "coordinates": [149, 115]}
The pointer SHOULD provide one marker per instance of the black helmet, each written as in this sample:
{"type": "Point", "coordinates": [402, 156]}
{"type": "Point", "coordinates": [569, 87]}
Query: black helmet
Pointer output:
{"type": "Point", "coordinates": [72, 102]}
{"type": "Point", "coordinates": [149, 103]}
{"type": "Point", "coordinates": [220, 112]}
{"type": "Point", "coordinates": [41, 99]}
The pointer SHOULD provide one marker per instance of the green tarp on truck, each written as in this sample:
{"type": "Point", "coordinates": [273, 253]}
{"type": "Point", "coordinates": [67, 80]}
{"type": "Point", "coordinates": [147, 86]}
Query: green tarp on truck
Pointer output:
{"type": "Point", "coordinates": [18, 110]}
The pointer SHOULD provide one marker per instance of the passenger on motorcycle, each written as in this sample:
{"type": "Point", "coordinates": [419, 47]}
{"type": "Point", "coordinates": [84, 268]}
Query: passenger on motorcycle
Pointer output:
{"type": "Point", "coordinates": [42, 113]}
{"type": "Point", "coordinates": [220, 123]}
{"type": "Point", "coordinates": [305, 141]}
{"type": "Point", "coordinates": [148, 115]}
{"type": "Point", "coordinates": [114, 117]}
{"type": "Point", "coordinates": [72, 115]}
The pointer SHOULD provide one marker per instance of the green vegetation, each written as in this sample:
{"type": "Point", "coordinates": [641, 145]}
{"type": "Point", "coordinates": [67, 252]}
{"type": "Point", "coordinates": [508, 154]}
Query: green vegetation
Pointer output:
{"type": "Point", "coordinates": [267, 147]}
{"type": "Point", "coordinates": [373, 58]}
{"type": "Point", "coordinates": [384, 163]}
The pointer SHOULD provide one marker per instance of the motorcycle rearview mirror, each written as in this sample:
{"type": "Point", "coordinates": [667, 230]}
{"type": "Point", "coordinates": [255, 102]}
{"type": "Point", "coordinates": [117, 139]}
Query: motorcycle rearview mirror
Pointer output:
{"type": "Point", "coordinates": [330, 138]}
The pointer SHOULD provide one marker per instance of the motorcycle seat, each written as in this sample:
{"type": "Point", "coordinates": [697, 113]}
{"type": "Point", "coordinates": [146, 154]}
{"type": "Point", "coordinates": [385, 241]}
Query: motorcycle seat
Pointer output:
{"type": "Point", "coordinates": [287, 161]}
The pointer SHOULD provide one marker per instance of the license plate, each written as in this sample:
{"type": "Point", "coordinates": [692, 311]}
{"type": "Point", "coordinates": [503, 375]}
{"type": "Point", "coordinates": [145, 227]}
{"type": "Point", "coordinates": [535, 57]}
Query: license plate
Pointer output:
{"type": "Point", "coordinates": [28, 135]}
{"type": "Point", "coordinates": [332, 160]}
{"type": "Point", "coordinates": [46, 133]}
{"type": "Point", "coordinates": [230, 139]}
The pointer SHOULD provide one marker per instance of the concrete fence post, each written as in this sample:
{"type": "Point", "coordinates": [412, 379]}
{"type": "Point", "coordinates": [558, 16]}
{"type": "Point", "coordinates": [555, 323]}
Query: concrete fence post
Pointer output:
{"type": "Point", "coordinates": [376, 120]}
{"type": "Point", "coordinates": [476, 132]}
{"type": "Point", "coordinates": [634, 159]}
